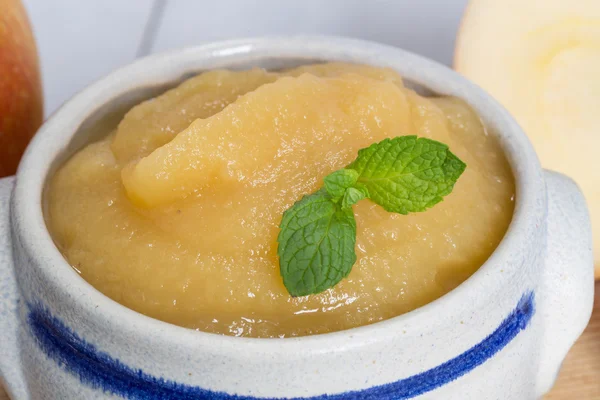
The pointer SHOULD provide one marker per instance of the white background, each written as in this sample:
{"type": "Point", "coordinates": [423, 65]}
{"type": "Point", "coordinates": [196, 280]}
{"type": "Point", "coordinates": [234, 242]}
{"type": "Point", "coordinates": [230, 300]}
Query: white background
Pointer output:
{"type": "Point", "coordinates": [80, 41]}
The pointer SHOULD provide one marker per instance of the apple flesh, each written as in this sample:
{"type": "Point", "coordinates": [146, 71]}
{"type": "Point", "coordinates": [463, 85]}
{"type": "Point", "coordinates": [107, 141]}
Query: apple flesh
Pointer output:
{"type": "Point", "coordinates": [541, 60]}
{"type": "Point", "coordinates": [21, 110]}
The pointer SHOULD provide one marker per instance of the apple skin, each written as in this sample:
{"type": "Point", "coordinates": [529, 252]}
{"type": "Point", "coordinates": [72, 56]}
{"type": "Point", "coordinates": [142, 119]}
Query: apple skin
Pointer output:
{"type": "Point", "coordinates": [21, 107]}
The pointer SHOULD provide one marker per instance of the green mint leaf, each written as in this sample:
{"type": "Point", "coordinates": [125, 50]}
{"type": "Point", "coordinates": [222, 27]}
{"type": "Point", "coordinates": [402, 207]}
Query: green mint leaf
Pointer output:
{"type": "Point", "coordinates": [316, 244]}
{"type": "Point", "coordinates": [318, 233]}
{"type": "Point", "coordinates": [353, 195]}
{"type": "Point", "coordinates": [407, 174]}
{"type": "Point", "coordinates": [337, 182]}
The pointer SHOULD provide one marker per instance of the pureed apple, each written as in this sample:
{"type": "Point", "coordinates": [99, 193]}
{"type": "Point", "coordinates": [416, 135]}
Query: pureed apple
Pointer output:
{"type": "Point", "coordinates": [177, 213]}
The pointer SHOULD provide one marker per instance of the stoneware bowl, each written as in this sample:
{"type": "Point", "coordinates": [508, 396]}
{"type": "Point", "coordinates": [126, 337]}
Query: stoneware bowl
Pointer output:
{"type": "Point", "coordinates": [502, 334]}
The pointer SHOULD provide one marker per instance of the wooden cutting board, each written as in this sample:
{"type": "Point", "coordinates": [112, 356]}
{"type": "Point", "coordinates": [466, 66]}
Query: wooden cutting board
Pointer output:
{"type": "Point", "coordinates": [579, 378]}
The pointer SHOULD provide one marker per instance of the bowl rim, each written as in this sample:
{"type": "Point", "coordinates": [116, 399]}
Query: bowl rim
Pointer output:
{"type": "Point", "coordinates": [53, 137]}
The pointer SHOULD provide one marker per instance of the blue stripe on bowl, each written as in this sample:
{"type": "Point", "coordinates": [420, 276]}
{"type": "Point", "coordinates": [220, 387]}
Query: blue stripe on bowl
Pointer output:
{"type": "Point", "coordinates": [101, 371]}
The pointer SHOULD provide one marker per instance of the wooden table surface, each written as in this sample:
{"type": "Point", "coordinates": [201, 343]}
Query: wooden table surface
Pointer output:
{"type": "Point", "coordinates": [580, 376]}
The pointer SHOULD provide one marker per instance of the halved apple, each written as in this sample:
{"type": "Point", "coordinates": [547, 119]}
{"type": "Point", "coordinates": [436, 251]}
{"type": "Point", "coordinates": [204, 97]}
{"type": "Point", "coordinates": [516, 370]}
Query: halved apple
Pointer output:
{"type": "Point", "coordinates": [541, 60]}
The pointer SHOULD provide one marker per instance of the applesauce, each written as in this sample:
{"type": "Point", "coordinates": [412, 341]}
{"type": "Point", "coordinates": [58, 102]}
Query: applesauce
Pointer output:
{"type": "Point", "coordinates": [176, 213]}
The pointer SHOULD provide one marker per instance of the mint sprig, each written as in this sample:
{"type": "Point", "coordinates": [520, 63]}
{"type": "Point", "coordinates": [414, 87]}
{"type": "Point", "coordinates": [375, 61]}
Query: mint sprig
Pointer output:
{"type": "Point", "coordinates": [318, 233]}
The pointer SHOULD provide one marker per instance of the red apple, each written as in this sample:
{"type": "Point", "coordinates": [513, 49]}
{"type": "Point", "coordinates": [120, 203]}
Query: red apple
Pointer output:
{"type": "Point", "coordinates": [21, 110]}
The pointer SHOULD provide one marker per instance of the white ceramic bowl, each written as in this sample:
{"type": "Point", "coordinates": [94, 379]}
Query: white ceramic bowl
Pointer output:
{"type": "Point", "coordinates": [502, 334]}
